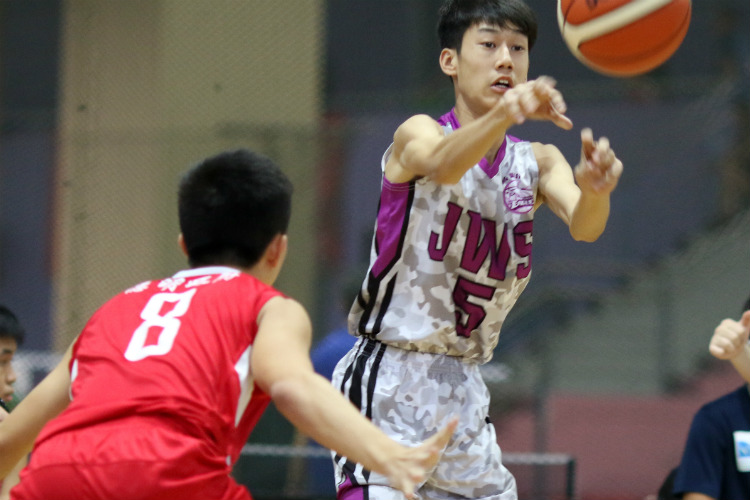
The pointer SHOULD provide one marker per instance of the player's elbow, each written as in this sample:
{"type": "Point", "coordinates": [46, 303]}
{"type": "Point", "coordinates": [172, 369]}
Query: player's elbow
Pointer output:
{"type": "Point", "coordinates": [288, 394]}
{"type": "Point", "coordinates": [586, 231]}
{"type": "Point", "coordinates": [586, 236]}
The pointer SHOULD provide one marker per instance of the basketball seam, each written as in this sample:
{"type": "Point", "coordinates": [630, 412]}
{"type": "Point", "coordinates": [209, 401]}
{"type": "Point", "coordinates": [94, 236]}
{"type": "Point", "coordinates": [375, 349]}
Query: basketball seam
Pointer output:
{"type": "Point", "coordinates": [611, 21]}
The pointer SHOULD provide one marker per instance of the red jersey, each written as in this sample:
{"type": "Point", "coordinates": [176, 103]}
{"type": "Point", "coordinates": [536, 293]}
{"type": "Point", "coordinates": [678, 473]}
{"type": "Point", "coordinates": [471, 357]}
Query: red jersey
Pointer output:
{"type": "Point", "coordinates": [172, 354]}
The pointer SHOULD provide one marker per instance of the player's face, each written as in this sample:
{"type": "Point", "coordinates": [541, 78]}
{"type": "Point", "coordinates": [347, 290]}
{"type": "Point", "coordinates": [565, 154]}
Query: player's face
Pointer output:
{"type": "Point", "coordinates": [7, 373]}
{"type": "Point", "coordinates": [492, 60]}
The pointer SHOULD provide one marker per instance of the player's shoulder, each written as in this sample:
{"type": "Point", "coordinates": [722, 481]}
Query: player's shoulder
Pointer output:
{"type": "Point", "coordinates": [547, 155]}
{"type": "Point", "coordinates": [730, 399]}
{"type": "Point", "coordinates": [416, 125]}
{"type": "Point", "coordinates": [422, 119]}
{"type": "Point", "coordinates": [543, 150]}
{"type": "Point", "coordinates": [730, 402]}
{"type": "Point", "coordinates": [280, 306]}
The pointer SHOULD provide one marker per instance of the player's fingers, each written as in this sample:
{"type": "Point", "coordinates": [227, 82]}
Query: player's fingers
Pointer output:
{"type": "Point", "coordinates": [545, 80]}
{"type": "Point", "coordinates": [611, 158]}
{"type": "Point", "coordinates": [529, 102]}
{"type": "Point", "coordinates": [616, 169]}
{"type": "Point", "coordinates": [545, 91]}
{"type": "Point", "coordinates": [561, 120]}
{"type": "Point", "coordinates": [745, 320]}
{"type": "Point", "coordinates": [717, 351]}
{"type": "Point", "coordinates": [728, 341]}
{"type": "Point", "coordinates": [558, 103]}
{"type": "Point", "coordinates": [407, 475]}
{"type": "Point", "coordinates": [441, 438]}
{"type": "Point", "coordinates": [407, 488]}
{"type": "Point", "coordinates": [587, 142]}
{"type": "Point", "coordinates": [725, 341]}
{"type": "Point", "coordinates": [604, 153]}
{"type": "Point", "coordinates": [598, 155]}
{"type": "Point", "coordinates": [512, 106]}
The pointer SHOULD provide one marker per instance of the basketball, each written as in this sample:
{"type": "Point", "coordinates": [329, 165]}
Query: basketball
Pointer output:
{"type": "Point", "coordinates": [623, 37]}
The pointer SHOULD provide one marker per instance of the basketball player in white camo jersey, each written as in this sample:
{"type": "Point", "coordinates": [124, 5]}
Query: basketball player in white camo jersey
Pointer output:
{"type": "Point", "coordinates": [452, 249]}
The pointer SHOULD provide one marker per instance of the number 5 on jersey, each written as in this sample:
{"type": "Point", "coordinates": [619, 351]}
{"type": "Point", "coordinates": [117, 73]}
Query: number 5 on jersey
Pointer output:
{"type": "Point", "coordinates": [168, 322]}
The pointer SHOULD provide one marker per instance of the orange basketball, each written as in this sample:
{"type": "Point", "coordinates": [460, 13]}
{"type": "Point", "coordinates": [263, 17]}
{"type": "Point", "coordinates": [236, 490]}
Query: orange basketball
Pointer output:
{"type": "Point", "coordinates": [623, 37]}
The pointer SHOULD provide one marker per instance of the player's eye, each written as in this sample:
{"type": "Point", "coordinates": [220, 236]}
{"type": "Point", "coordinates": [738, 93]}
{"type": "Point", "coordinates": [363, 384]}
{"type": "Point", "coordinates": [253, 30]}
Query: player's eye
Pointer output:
{"type": "Point", "coordinates": [489, 45]}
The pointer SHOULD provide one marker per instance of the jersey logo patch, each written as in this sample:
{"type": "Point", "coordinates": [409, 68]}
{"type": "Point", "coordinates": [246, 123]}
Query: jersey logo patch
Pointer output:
{"type": "Point", "coordinates": [518, 199]}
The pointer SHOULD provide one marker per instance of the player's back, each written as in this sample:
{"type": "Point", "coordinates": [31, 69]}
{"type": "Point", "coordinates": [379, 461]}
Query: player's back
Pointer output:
{"type": "Point", "coordinates": [174, 351]}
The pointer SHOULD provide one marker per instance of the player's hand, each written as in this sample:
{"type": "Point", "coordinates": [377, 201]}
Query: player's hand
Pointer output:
{"type": "Point", "coordinates": [599, 169]}
{"type": "Point", "coordinates": [536, 100]}
{"type": "Point", "coordinates": [409, 470]}
{"type": "Point", "coordinates": [730, 337]}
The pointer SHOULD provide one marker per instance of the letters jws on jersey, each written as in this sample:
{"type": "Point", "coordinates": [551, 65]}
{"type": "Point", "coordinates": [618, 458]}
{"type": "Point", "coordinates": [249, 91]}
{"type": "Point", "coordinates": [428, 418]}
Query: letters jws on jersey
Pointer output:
{"type": "Point", "coordinates": [481, 243]}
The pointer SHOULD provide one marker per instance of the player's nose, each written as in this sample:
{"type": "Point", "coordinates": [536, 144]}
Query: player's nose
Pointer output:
{"type": "Point", "coordinates": [504, 60]}
{"type": "Point", "coordinates": [10, 375]}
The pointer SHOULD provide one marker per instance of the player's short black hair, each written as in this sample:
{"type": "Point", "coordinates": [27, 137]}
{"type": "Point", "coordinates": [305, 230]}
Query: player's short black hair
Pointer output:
{"type": "Point", "coordinates": [10, 327]}
{"type": "Point", "coordinates": [231, 206]}
{"type": "Point", "coordinates": [457, 16]}
{"type": "Point", "coordinates": [746, 306]}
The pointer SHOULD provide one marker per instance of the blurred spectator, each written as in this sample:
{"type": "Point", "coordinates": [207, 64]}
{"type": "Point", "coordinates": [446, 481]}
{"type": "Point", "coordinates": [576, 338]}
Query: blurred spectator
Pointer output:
{"type": "Point", "coordinates": [11, 336]}
{"type": "Point", "coordinates": [716, 460]}
{"type": "Point", "coordinates": [325, 355]}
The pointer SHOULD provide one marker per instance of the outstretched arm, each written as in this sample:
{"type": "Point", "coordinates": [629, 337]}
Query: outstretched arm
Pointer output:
{"type": "Point", "coordinates": [19, 430]}
{"type": "Point", "coordinates": [729, 342]}
{"type": "Point", "coordinates": [420, 149]}
{"type": "Point", "coordinates": [579, 197]}
{"type": "Point", "coordinates": [282, 367]}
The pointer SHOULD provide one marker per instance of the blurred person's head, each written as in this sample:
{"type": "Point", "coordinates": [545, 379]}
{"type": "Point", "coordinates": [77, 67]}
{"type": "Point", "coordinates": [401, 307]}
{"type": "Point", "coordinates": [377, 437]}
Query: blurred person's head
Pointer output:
{"type": "Point", "coordinates": [11, 336]}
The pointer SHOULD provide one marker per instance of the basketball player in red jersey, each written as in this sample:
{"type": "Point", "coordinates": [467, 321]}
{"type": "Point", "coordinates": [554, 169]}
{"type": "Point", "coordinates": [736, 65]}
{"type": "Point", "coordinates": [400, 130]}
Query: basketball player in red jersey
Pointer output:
{"type": "Point", "coordinates": [159, 392]}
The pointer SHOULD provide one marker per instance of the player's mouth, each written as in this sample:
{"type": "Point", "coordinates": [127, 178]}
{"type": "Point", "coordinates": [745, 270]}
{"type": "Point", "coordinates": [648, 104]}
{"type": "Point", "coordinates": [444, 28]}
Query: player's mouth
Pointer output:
{"type": "Point", "coordinates": [502, 84]}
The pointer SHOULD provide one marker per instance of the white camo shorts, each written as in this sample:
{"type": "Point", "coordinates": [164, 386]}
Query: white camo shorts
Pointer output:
{"type": "Point", "coordinates": [410, 395]}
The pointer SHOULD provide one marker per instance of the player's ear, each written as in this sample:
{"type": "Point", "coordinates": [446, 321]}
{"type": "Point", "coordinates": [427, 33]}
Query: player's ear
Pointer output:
{"type": "Point", "coordinates": [276, 251]}
{"type": "Point", "coordinates": [448, 61]}
{"type": "Point", "coordinates": [181, 243]}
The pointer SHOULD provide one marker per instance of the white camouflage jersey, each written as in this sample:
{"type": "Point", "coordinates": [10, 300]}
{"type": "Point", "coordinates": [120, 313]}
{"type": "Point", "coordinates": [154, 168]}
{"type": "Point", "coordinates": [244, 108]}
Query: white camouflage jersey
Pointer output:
{"type": "Point", "coordinates": [448, 262]}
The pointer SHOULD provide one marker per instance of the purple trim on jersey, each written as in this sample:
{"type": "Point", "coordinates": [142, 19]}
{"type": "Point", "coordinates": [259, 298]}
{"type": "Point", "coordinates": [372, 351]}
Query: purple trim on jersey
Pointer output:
{"type": "Point", "coordinates": [450, 118]}
{"type": "Point", "coordinates": [393, 217]}
{"type": "Point", "coordinates": [491, 169]}
{"type": "Point", "coordinates": [348, 491]}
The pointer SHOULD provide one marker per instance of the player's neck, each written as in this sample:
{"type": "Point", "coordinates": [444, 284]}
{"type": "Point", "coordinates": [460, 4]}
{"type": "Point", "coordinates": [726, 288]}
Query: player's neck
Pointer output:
{"type": "Point", "coordinates": [465, 115]}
